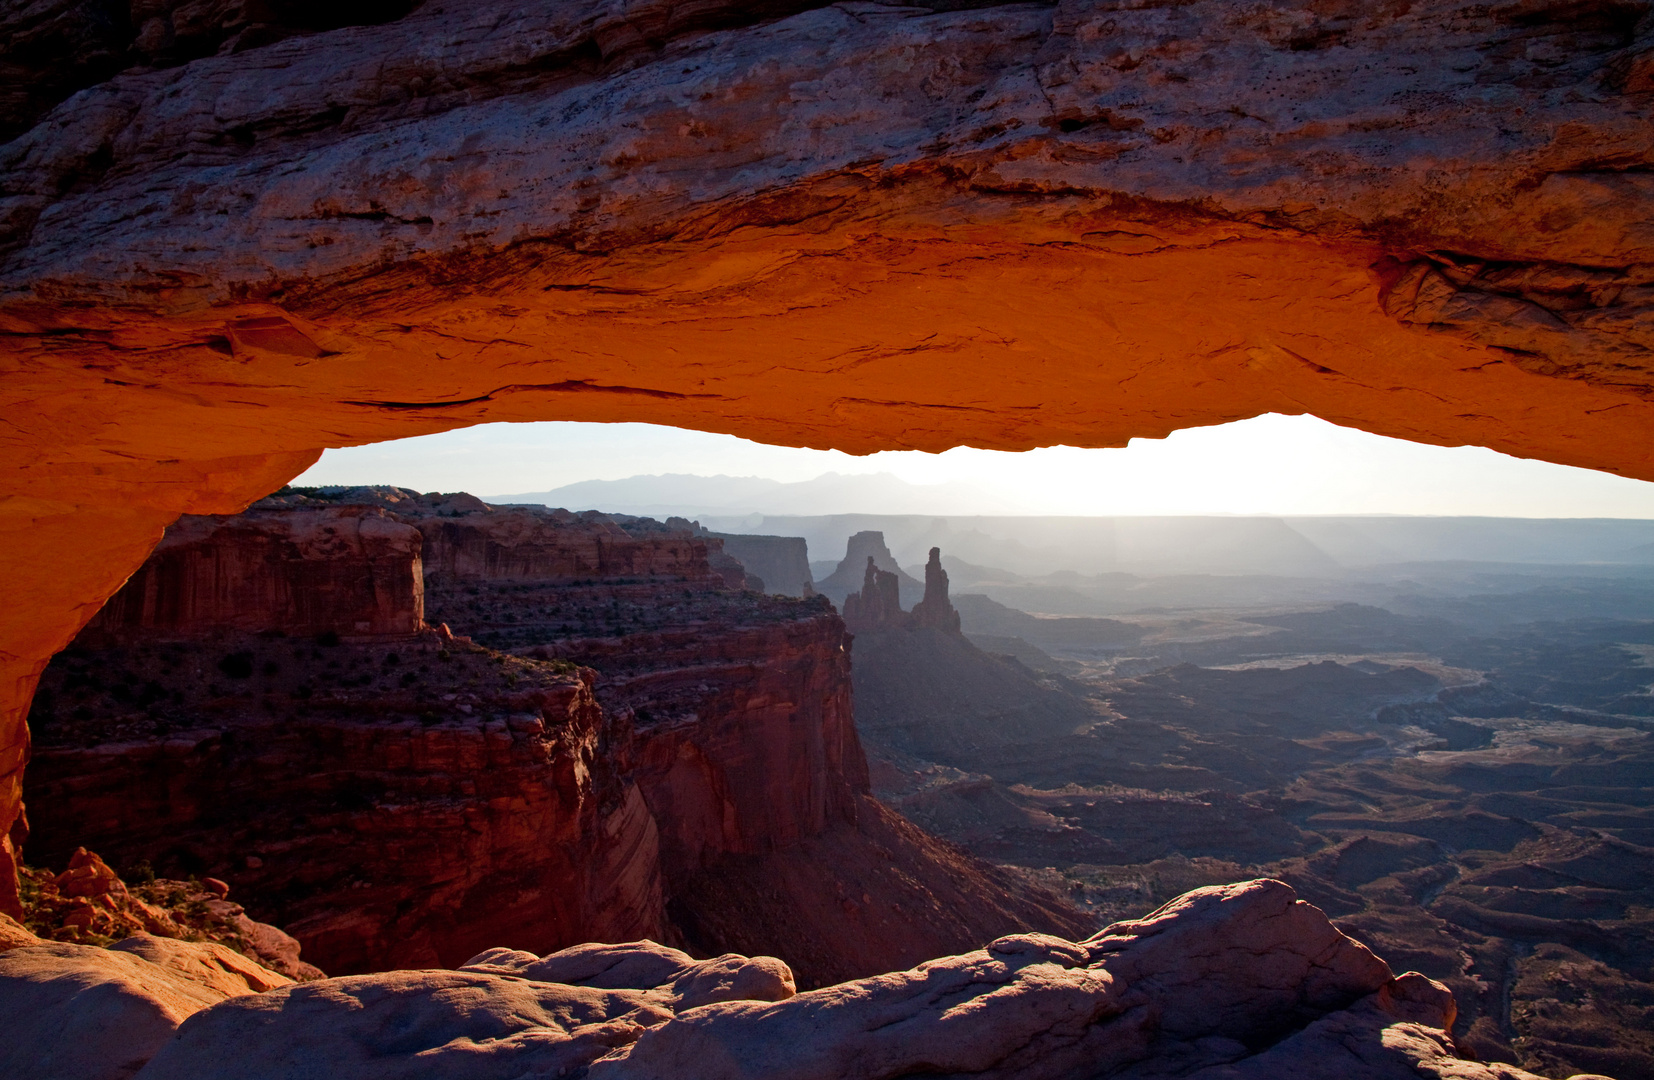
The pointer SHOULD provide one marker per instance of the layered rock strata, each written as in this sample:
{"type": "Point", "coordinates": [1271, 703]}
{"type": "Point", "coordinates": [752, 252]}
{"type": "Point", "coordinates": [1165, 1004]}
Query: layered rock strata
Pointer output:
{"type": "Point", "coordinates": [1239, 981]}
{"type": "Point", "coordinates": [349, 571]}
{"type": "Point", "coordinates": [782, 563]}
{"type": "Point", "coordinates": [406, 802]}
{"type": "Point", "coordinates": [862, 227]}
{"type": "Point", "coordinates": [389, 805]}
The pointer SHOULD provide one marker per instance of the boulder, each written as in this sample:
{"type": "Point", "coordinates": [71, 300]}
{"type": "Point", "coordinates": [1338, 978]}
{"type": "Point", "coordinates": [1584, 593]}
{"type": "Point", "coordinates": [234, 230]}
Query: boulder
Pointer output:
{"type": "Point", "coordinates": [1237, 961]}
{"type": "Point", "coordinates": [1197, 984]}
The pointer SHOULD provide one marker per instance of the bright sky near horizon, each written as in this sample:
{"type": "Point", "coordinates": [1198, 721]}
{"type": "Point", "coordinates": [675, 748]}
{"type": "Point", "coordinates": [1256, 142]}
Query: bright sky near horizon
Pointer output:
{"type": "Point", "coordinates": [1270, 464]}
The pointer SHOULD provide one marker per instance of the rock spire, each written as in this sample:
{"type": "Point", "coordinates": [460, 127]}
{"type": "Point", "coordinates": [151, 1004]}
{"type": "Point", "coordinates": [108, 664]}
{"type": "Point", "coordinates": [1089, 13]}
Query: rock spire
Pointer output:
{"type": "Point", "coordinates": [879, 606]}
{"type": "Point", "coordinates": [936, 610]}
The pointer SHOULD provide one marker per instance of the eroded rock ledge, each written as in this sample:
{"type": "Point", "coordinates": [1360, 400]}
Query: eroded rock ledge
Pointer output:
{"type": "Point", "coordinates": [1223, 983]}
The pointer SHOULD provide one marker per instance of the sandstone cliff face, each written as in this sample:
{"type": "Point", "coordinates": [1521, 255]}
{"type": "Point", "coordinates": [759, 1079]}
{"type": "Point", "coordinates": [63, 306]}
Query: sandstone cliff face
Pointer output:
{"type": "Point", "coordinates": [386, 814]}
{"type": "Point", "coordinates": [396, 803]}
{"type": "Point", "coordinates": [746, 741]}
{"type": "Point", "coordinates": [524, 545]}
{"type": "Point", "coordinates": [350, 571]}
{"type": "Point", "coordinates": [781, 562]}
{"type": "Point", "coordinates": [1427, 220]}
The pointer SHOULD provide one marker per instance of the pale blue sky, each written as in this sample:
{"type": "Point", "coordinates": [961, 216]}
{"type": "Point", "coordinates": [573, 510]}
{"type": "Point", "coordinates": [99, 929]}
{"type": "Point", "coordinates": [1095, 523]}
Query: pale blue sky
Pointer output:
{"type": "Point", "coordinates": [1270, 464]}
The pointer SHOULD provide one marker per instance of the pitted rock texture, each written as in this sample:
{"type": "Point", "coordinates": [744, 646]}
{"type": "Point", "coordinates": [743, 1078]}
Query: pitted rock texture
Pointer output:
{"type": "Point", "coordinates": [855, 226]}
{"type": "Point", "coordinates": [405, 1024]}
{"type": "Point", "coordinates": [1191, 990]}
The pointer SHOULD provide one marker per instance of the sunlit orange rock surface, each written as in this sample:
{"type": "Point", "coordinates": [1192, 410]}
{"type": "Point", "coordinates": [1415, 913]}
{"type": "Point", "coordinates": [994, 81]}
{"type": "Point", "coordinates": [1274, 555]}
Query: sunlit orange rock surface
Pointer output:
{"type": "Point", "coordinates": [856, 225]}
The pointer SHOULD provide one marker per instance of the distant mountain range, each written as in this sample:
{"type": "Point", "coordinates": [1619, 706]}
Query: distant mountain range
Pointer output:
{"type": "Point", "coordinates": [701, 496]}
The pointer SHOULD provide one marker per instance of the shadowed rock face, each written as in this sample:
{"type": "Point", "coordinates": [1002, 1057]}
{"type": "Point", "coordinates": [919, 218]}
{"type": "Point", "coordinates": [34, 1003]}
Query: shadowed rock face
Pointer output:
{"type": "Point", "coordinates": [936, 610]}
{"type": "Point", "coordinates": [853, 226]}
{"type": "Point", "coordinates": [403, 803]}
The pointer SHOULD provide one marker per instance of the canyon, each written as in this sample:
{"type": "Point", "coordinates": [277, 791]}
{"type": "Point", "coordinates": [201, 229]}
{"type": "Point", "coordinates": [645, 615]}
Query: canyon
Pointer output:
{"type": "Point", "coordinates": [1005, 226]}
{"type": "Point", "coordinates": [650, 750]}
{"type": "Point", "coordinates": [1465, 795]}
{"type": "Point", "coordinates": [605, 738]}
{"type": "Point", "coordinates": [232, 237]}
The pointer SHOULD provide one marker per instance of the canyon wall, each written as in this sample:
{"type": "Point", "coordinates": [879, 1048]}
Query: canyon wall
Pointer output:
{"type": "Point", "coordinates": [523, 545]}
{"type": "Point", "coordinates": [381, 825]}
{"type": "Point", "coordinates": [351, 571]}
{"type": "Point", "coordinates": [782, 562]}
{"type": "Point", "coordinates": [859, 227]}
{"type": "Point", "coordinates": [411, 801]}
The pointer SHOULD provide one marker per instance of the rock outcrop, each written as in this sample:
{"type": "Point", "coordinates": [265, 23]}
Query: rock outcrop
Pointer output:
{"type": "Point", "coordinates": [936, 611]}
{"type": "Point", "coordinates": [862, 227]}
{"type": "Point", "coordinates": [78, 1012]}
{"type": "Point", "coordinates": [1239, 981]}
{"type": "Point", "coordinates": [382, 822]}
{"type": "Point", "coordinates": [863, 548]}
{"type": "Point", "coordinates": [349, 571]}
{"type": "Point", "coordinates": [89, 904]}
{"type": "Point", "coordinates": [405, 803]}
{"type": "Point", "coordinates": [781, 562]}
{"type": "Point", "coordinates": [878, 606]}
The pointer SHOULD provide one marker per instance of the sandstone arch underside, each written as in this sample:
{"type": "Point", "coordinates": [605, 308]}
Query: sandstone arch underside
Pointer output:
{"type": "Point", "coordinates": [854, 226]}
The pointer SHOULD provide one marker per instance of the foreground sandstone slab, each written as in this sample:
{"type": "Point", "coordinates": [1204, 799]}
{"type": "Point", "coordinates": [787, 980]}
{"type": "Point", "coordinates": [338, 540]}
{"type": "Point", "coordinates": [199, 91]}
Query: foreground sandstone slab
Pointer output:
{"type": "Point", "coordinates": [1237, 982]}
{"type": "Point", "coordinates": [77, 1012]}
{"type": "Point", "coordinates": [453, 1025]}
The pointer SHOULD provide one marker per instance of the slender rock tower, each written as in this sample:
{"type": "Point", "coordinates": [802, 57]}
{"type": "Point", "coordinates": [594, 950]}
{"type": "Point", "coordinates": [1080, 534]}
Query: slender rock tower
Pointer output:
{"type": "Point", "coordinates": [936, 610]}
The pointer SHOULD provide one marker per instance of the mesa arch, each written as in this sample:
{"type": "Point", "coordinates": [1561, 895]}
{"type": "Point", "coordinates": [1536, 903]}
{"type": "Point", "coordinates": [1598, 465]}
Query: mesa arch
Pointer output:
{"type": "Point", "coordinates": [854, 226]}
